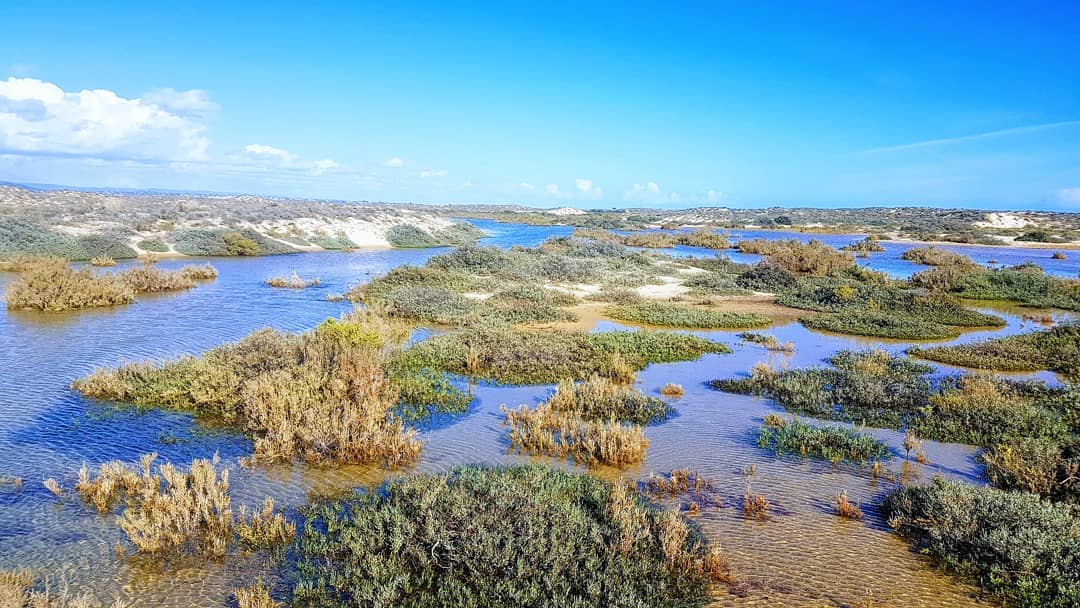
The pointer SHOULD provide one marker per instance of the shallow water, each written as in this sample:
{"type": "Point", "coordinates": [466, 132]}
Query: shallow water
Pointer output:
{"type": "Point", "coordinates": [803, 556]}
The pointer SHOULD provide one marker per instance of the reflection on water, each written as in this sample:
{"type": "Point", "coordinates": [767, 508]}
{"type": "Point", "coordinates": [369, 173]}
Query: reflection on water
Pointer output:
{"type": "Point", "coordinates": [803, 556]}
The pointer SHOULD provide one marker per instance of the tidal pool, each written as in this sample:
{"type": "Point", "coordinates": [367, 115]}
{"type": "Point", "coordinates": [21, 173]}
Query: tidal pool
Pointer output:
{"type": "Point", "coordinates": [802, 556]}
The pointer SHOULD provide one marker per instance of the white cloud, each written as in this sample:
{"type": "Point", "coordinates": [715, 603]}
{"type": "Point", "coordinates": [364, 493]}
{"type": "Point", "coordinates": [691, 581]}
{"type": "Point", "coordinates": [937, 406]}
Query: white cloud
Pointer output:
{"type": "Point", "coordinates": [394, 163]}
{"type": "Point", "coordinates": [553, 190]}
{"type": "Point", "coordinates": [195, 102]}
{"type": "Point", "coordinates": [322, 166]}
{"type": "Point", "coordinates": [264, 152]}
{"type": "Point", "coordinates": [38, 117]}
{"type": "Point", "coordinates": [1069, 196]}
{"type": "Point", "coordinates": [586, 187]}
{"type": "Point", "coordinates": [650, 193]}
{"type": "Point", "coordinates": [712, 196]}
{"type": "Point", "coordinates": [434, 173]}
{"type": "Point", "coordinates": [526, 186]}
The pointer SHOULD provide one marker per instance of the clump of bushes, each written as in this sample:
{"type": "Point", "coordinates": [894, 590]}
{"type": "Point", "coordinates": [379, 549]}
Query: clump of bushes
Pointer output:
{"type": "Point", "coordinates": [153, 246]}
{"type": "Point", "coordinates": [936, 256]}
{"type": "Point", "coordinates": [835, 444]}
{"type": "Point", "coordinates": [226, 242]}
{"type": "Point", "coordinates": [102, 261]}
{"type": "Point", "coordinates": [1025, 283]}
{"type": "Point", "coordinates": [1057, 349]}
{"type": "Point", "coordinates": [522, 536]}
{"type": "Point", "coordinates": [321, 396]}
{"type": "Point", "coordinates": [767, 277]}
{"type": "Point", "coordinates": [1039, 465]}
{"type": "Point", "coordinates": [703, 238]}
{"type": "Point", "coordinates": [49, 284]}
{"type": "Point", "coordinates": [1015, 545]}
{"type": "Point", "coordinates": [292, 282]}
{"type": "Point", "coordinates": [518, 356]}
{"type": "Point", "coordinates": [672, 390]}
{"type": "Point", "coordinates": [409, 236]}
{"type": "Point", "coordinates": [17, 590]}
{"type": "Point", "coordinates": [767, 342]}
{"type": "Point", "coordinates": [549, 431]}
{"type": "Point", "coordinates": [169, 511]}
{"type": "Point", "coordinates": [869, 244]}
{"type": "Point", "coordinates": [22, 237]}
{"type": "Point", "coordinates": [598, 398]}
{"type": "Point", "coordinates": [880, 324]}
{"type": "Point", "coordinates": [814, 258]}
{"type": "Point", "coordinates": [715, 283]}
{"type": "Point", "coordinates": [677, 315]}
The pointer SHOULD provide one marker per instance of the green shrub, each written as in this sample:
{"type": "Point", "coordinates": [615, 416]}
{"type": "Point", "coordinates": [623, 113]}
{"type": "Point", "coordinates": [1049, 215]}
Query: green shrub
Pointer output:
{"type": "Point", "coordinates": [703, 238]}
{"type": "Point", "coordinates": [517, 536]}
{"type": "Point", "coordinates": [1043, 466]}
{"type": "Point", "coordinates": [676, 315]}
{"type": "Point", "coordinates": [1056, 349]}
{"type": "Point", "coordinates": [226, 242]}
{"type": "Point", "coordinates": [598, 399]}
{"type": "Point", "coordinates": [517, 356]}
{"type": "Point", "coordinates": [831, 443]}
{"type": "Point", "coordinates": [869, 244]}
{"type": "Point", "coordinates": [1035, 236]}
{"type": "Point", "coordinates": [153, 245]}
{"type": "Point", "coordinates": [407, 276]}
{"type": "Point", "coordinates": [935, 256]}
{"type": "Point", "coordinates": [22, 237]}
{"type": "Point", "coordinates": [1026, 284]}
{"type": "Point", "coordinates": [813, 258]}
{"type": "Point", "coordinates": [880, 324]}
{"type": "Point", "coordinates": [767, 277]}
{"type": "Point", "coordinates": [409, 236]}
{"type": "Point", "coordinates": [715, 283]}
{"type": "Point", "coordinates": [333, 243]}
{"type": "Point", "coordinates": [1015, 545]}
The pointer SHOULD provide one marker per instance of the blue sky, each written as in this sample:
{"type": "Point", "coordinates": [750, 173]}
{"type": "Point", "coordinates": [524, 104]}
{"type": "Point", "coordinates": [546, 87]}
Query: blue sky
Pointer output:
{"type": "Point", "coordinates": [556, 103]}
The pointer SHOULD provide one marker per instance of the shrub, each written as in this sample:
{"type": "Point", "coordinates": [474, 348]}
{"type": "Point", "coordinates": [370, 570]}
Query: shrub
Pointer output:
{"type": "Point", "coordinates": [982, 411]}
{"type": "Point", "coordinates": [845, 508]}
{"type": "Point", "coordinates": [22, 237]}
{"type": "Point", "coordinates": [813, 258]}
{"type": "Point", "coordinates": [703, 238]}
{"type": "Point", "coordinates": [935, 256]}
{"type": "Point", "coordinates": [1056, 349]}
{"type": "Point", "coordinates": [1025, 284]}
{"type": "Point", "coordinates": [654, 240]}
{"type": "Point", "coordinates": [675, 315]}
{"type": "Point", "coordinates": [409, 236]}
{"type": "Point", "coordinates": [102, 261]}
{"type": "Point", "coordinates": [1015, 545]}
{"type": "Point", "coordinates": [672, 390]}
{"type": "Point", "coordinates": [170, 511]}
{"type": "Point", "coordinates": [881, 324]}
{"type": "Point", "coordinates": [521, 536]}
{"type": "Point", "coordinates": [598, 398]}
{"type": "Point", "coordinates": [226, 242]}
{"type": "Point", "coordinates": [835, 444]}
{"type": "Point", "coordinates": [153, 246]}
{"type": "Point", "coordinates": [17, 591]}
{"type": "Point", "coordinates": [715, 283]}
{"type": "Point", "coordinates": [1035, 236]}
{"type": "Point", "coordinates": [51, 285]}
{"type": "Point", "coordinates": [321, 396]}
{"type": "Point", "coordinates": [869, 387]}
{"type": "Point", "coordinates": [1042, 466]}
{"type": "Point", "coordinates": [869, 244]}
{"type": "Point", "coordinates": [292, 282]}
{"type": "Point", "coordinates": [768, 342]}
{"type": "Point", "coordinates": [767, 277]}
{"type": "Point", "coordinates": [518, 356]}
{"type": "Point", "coordinates": [255, 596]}
{"type": "Point", "coordinates": [414, 276]}
{"type": "Point", "coordinates": [548, 431]}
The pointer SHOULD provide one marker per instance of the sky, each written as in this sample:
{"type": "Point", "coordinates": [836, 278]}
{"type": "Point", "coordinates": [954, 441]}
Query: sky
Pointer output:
{"type": "Point", "coordinates": [587, 104]}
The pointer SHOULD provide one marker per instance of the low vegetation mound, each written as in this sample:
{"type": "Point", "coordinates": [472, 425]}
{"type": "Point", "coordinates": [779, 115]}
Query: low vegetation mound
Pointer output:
{"type": "Point", "coordinates": [1025, 283]}
{"type": "Point", "coordinates": [1039, 465]}
{"type": "Point", "coordinates": [878, 389]}
{"type": "Point", "coordinates": [835, 444]}
{"type": "Point", "coordinates": [517, 356]}
{"type": "Point", "coordinates": [49, 284]}
{"type": "Point", "coordinates": [327, 395]}
{"type": "Point", "coordinates": [410, 236]}
{"type": "Point", "coordinates": [680, 315]}
{"type": "Point", "coordinates": [1016, 546]}
{"type": "Point", "coordinates": [868, 245]}
{"type": "Point", "coordinates": [30, 238]}
{"type": "Point", "coordinates": [293, 281]}
{"type": "Point", "coordinates": [516, 536]}
{"type": "Point", "coordinates": [936, 256]}
{"type": "Point", "coordinates": [21, 589]}
{"type": "Point", "coordinates": [812, 258]}
{"type": "Point", "coordinates": [1056, 349]}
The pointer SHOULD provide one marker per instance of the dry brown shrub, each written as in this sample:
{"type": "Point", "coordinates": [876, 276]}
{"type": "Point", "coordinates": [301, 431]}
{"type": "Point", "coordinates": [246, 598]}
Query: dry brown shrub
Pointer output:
{"type": "Point", "coordinates": [845, 508]}
{"type": "Point", "coordinates": [102, 261]}
{"type": "Point", "coordinates": [255, 596]}
{"type": "Point", "coordinates": [292, 282]}
{"type": "Point", "coordinates": [545, 430]}
{"type": "Point", "coordinates": [672, 390]}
